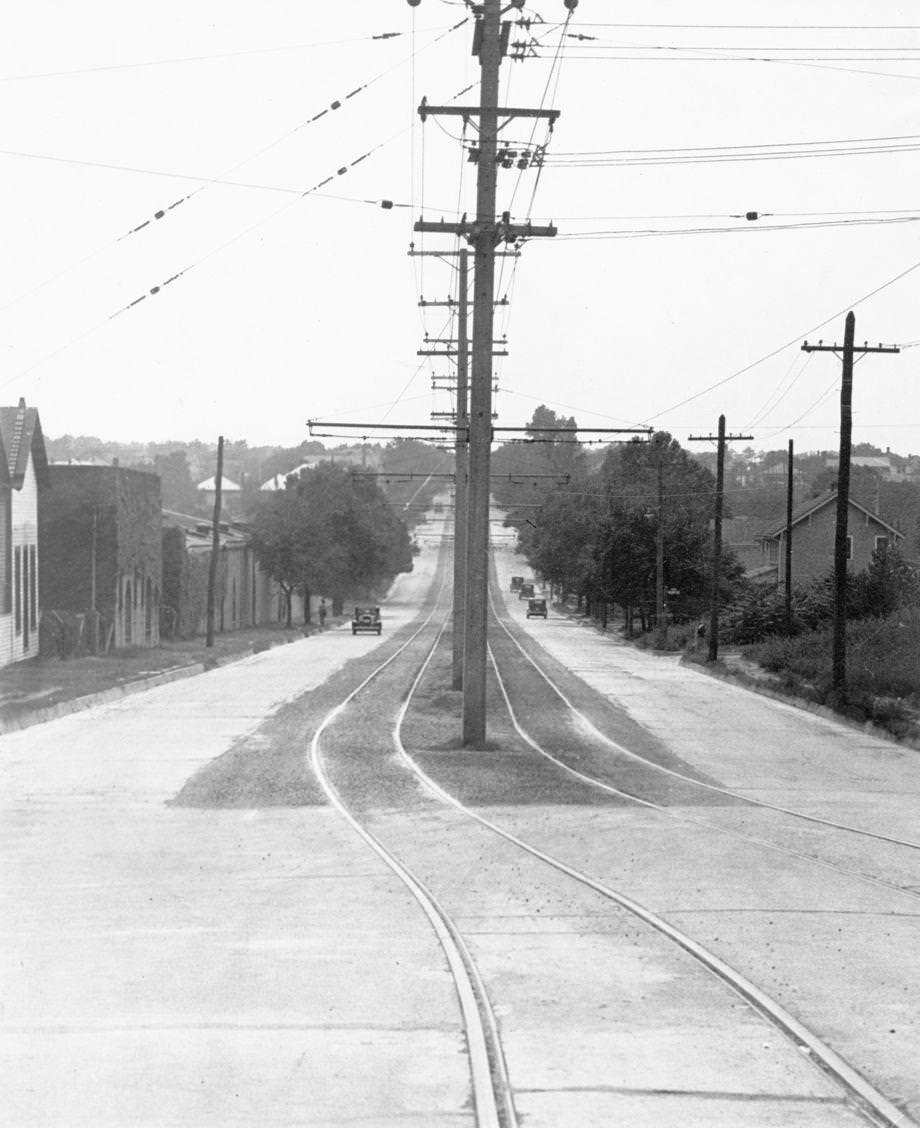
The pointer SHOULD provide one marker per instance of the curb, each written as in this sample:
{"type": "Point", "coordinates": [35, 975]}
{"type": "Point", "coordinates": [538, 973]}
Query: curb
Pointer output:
{"type": "Point", "coordinates": [106, 696]}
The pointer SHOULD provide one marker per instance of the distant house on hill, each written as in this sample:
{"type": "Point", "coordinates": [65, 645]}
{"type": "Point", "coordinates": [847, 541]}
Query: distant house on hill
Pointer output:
{"type": "Point", "coordinates": [23, 473]}
{"type": "Point", "coordinates": [363, 456]}
{"type": "Point", "coordinates": [99, 554]}
{"type": "Point", "coordinates": [813, 534]}
{"type": "Point", "coordinates": [230, 494]}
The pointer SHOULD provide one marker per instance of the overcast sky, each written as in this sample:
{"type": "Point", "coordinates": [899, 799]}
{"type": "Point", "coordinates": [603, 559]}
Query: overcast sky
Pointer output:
{"type": "Point", "coordinates": [289, 307]}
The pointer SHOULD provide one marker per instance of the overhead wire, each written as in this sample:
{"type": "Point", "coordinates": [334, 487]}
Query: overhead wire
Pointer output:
{"type": "Point", "coordinates": [787, 344]}
{"type": "Point", "coordinates": [204, 182]}
{"type": "Point", "coordinates": [782, 389]}
{"type": "Point", "coordinates": [159, 287]}
{"type": "Point", "coordinates": [217, 56]}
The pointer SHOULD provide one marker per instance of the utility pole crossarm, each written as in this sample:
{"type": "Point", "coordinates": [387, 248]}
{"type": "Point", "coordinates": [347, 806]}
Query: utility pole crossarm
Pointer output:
{"type": "Point", "coordinates": [508, 112]}
{"type": "Point", "coordinates": [452, 303]}
{"type": "Point", "coordinates": [413, 253]}
{"type": "Point", "coordinates": [506, 231]}
{"type": "Point", "coordinates": [865, 348]}
{"type": "Point", "coordinates": [715, 438]}
{"type": "Point", "coordinates": [452, 352]}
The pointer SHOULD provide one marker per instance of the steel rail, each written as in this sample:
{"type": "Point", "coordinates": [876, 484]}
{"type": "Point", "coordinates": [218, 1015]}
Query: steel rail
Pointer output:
{"type": "Point", "coordinates": [871, 1101]}
{"type": "Point", "coordinates": [479, 1021]}
{"type": "Point", "coordinates": [682, 816]}
{"type": "Point", "coordinates": [909, 844]}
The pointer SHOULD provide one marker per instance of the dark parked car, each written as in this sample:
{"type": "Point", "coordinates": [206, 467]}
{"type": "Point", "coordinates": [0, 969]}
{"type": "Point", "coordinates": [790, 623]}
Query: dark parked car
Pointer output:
{"type": "Point", "coordinates": [536, 609]}
{"type": "Point", "coordinates": [525, 591]}
{"type": "Point", "coordinates": [516, 582]}
{"type": "Point", "coordinates": [366, 619]}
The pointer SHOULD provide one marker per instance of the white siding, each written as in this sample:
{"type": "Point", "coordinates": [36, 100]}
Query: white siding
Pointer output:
{"type": "Point", "coordinates": [16, 645]}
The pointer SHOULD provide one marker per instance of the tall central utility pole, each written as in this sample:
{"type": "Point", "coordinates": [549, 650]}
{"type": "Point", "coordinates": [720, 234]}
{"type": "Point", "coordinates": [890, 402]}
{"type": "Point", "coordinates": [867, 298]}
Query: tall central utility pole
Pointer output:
{"type": "Point", "coordinates": [475, 639]}
{"type": "Point", "coordinates": [721, 439]}
{"type": "Point", "coordinates": [484, 233]}
{"type": "Point", "coordinates": [839, 646]}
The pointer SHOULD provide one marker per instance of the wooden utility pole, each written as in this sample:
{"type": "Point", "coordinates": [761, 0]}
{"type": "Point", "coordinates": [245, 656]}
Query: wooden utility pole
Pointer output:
{"type": "Point", "coordinates": [475, 640]}
{"type": "Point", "coordinates": [461, 469]}
{"type": "Point", "coordinates": [661, 626]}
{"type": "Point", "coordinates": [484, 233]}
{"type": "Point", "coordinates": [839, 645]}
{"type": "Point", "coordinates": [215, 541]}
{"type": "Point", "coordinates": [788, 545]}
{"type": "Point", "coordinates": [721, 439]}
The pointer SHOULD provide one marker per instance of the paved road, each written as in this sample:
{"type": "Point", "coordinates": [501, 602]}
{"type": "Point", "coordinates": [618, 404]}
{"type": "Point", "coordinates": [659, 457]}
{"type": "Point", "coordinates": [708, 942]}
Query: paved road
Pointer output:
{"type": "Point", "coordinates": [838, 951]}
{"type": "Point", "coordinates": [181, 965]}
{"type": "Point", "coordinates": [180, 949]}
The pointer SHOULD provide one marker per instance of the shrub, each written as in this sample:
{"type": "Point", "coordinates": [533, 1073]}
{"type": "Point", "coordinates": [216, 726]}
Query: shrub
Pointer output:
{"type": "Point", "coordinates": [757, 613]}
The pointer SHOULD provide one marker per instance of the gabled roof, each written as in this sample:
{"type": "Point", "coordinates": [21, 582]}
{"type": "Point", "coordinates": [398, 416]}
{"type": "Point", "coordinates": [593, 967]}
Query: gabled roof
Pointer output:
{"type": "Point", "coordinates": [279, 481]}
{"type": "Point", "coordinates": [815, 503]}
{"type": "Point", "coordinates": [225, 484]}
{"type": "Point", "coordinates": [20, 436]}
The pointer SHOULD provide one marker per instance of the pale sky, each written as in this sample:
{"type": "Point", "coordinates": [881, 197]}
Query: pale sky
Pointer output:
{"type": "Point", "coordinates": [112, 112]}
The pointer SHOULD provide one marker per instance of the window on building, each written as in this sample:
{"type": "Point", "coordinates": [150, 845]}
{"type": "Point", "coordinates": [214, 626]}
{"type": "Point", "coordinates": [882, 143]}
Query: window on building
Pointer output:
{"type": "Point", "coordinates": [849, 548]}
{"type": "Point", "coordinates": [17, 590]}
{"type": "Point", "coordinates": [881, 544]}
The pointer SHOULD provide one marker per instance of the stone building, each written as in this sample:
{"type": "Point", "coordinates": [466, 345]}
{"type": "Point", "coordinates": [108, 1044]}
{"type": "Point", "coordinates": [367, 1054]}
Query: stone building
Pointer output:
{"type": "Point", "coordinates": [100, 552]}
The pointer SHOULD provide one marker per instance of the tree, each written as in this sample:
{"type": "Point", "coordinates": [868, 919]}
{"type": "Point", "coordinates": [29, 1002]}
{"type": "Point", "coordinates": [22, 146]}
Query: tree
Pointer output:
{"type": "Point", "coordinates": [176, 486]}
{"type": "Point", "coordinates": [625, 561]}
{"type": "Point", "coordinates": [526, 472]}
{"type": "Point", "coordinates": [279, 542]}
{"type": "Point", "coordinates": [329, 532]}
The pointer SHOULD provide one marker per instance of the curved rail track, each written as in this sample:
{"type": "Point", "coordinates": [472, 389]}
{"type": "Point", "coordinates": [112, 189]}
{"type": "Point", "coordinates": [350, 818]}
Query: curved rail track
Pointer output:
{"type": "Point", "coordinates": [488, 1072]}
{"type": "Point", "coordinates": [681, 776]}
{"type": "Point", "coordinates": [492, 1090]}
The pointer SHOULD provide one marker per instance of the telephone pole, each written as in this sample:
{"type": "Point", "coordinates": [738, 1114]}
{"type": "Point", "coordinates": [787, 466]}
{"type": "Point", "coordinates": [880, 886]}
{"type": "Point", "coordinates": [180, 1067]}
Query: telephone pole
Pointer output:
{"type": "Point", "coordinates": [721, 439]}
{"type": "Point", "coordinates": [490, 42]}
{"type": "Point", "coordinates": [788, 545]}
{"type": "Point", "coordinates": [215, 542]}
{"type": "Point", "coordinates": [461, 469]}
{"type": "Point", "coordinates": [839, 646]}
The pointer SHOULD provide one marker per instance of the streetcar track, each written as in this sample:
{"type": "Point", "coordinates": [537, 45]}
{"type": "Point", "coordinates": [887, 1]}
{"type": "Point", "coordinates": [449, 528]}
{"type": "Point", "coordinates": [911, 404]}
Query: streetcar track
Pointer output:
{"type": "Point", "coordinates": [714, 788]}
{"type": "Point", "coordinates": [492, 1099]}
{"type": "Point", "coordinates": [682, 816]}
{"type": "Point", "coordinates": [870, 1100]}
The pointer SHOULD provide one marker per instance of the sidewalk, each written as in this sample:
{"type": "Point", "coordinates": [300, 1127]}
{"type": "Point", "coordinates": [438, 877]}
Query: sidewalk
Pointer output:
{"type": "Point", "coordinates": [39, 690]}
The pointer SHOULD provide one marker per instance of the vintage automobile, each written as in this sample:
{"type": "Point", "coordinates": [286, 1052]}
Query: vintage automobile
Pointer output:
{"type": "Point", "coordinates": [516, 582]}
{"type": "Point", "coordinates": [525, 591]}
{"type": "Point", "coordinates": [536, 609]}
{"type": "Point", "coordinates": [366, 619]}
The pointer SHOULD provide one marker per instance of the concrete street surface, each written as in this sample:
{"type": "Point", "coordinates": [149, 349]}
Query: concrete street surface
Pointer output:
{"type": "Point", "coordinates": [168, 965]}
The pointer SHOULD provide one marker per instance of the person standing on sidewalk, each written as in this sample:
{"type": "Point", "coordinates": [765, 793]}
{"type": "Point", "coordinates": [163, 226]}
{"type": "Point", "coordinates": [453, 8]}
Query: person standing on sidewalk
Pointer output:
{"type": "Point", "coordinates": [322, 614]}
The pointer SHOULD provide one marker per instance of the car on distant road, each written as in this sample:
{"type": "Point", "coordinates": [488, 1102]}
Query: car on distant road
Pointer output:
{"type": "Point", "coordinates": [516, 582]}
{"type": "Point", "coordinates": [525, 591]}
{"type": "Point", "coordinates": [536, 609]}
{"type": "Point", "coordinates": [366, 619]}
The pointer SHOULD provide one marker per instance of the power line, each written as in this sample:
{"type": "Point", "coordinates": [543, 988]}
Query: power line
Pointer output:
{"type": "Point", "coordinates": [179, 60]}
{"type": "Point", "coordinates": [748, 229]}
{"type": "Point", "coordinates": [787, 344]}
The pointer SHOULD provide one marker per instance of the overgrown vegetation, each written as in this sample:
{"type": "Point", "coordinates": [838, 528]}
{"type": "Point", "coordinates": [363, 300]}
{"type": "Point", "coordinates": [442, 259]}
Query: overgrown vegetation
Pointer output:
{"type": "Point", "coordinates": [883, 640]}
